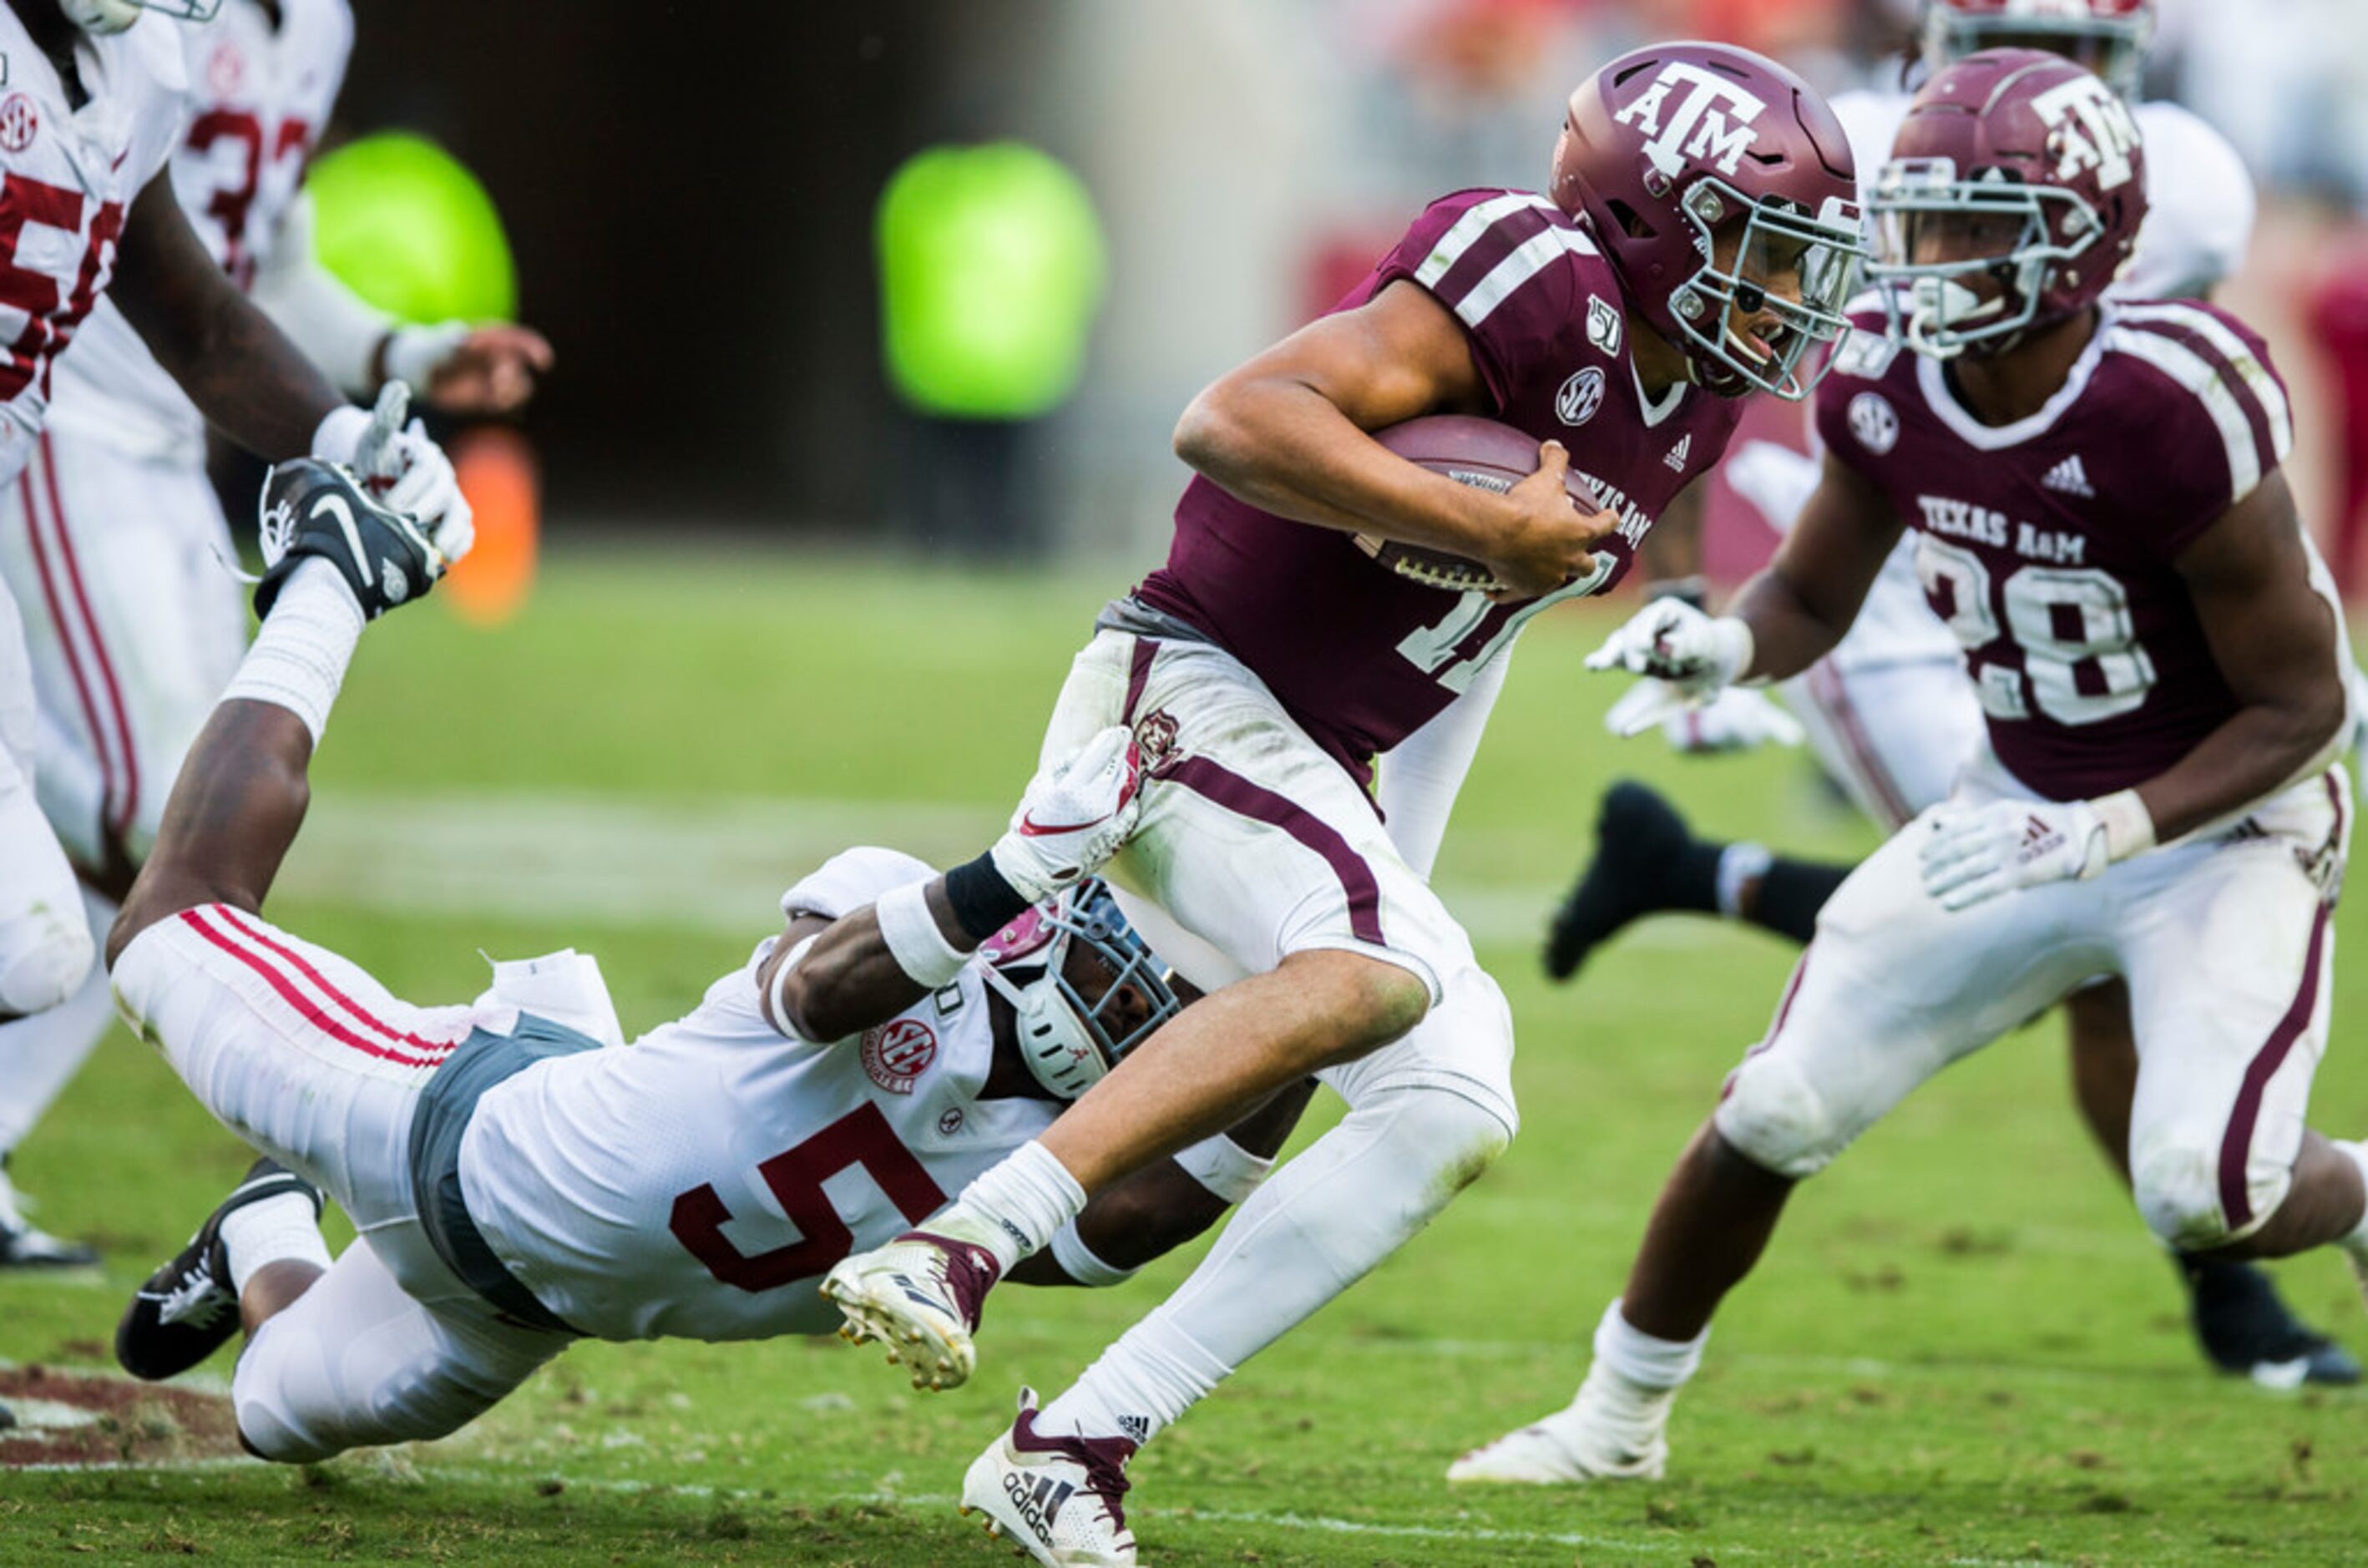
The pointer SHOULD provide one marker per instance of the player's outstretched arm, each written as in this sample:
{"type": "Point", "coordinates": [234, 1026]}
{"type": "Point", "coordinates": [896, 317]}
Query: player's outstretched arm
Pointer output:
{"type": "Point", "coordinates": [1170, 1202]}
{"type": "Point", "coordinates": [1781, 622]}
{"type": "Point", "coordinates": [336, 559]}
{"type": "Point", "coordinates": [2275, 639]}
{"type": "Point", "coordinates": [1805, 602]}
{"type": "Point", "coordinates": [872, 963]}
{"type": "Point", "coordinates": [1286, 433]}
{"type": "Point", "coordinates": [238, 368]}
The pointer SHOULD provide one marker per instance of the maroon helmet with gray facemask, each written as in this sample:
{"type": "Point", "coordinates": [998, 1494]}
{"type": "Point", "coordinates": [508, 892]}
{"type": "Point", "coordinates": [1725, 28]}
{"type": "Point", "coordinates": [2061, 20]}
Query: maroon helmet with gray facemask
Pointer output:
{"type": "Point", "coordinates": [1713, 177]}
{"type": "Point", "coordinates": [2034, 148]}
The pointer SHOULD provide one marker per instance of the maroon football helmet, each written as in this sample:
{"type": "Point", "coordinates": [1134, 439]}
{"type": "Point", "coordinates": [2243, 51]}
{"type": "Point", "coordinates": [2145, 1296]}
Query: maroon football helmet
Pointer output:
{"type": "Point", "coordinates": [1669, 154]}
{"type": "Point", "coordinates": [2040, 159]}
{"type": "Point", "coordinates": [2110, 36]}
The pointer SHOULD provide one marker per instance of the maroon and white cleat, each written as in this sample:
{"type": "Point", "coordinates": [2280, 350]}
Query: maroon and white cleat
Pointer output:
{"type": "Point", "coordinates": [920, 1295]}
{"type": "Point", "coordinates": [1058, 1499]}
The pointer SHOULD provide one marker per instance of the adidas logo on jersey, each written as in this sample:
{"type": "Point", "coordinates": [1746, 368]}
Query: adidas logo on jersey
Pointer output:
{"type": "Point", "coordinates": [1681, 452]}
{"type": "Point", "coordinates": [2069, 478]}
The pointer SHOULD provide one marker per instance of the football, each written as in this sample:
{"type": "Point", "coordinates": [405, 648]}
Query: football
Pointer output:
{"type": "Point", "coordinates": [1479, 452]}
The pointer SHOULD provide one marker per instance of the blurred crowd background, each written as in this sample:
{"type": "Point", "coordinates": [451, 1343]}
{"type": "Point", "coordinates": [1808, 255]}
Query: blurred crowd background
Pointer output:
{"type": "Point", "coordinates": [943, 272]}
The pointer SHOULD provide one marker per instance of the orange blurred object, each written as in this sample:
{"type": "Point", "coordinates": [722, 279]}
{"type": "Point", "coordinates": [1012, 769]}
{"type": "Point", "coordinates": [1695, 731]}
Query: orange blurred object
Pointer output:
{"type": "Point", "coordinates": [499, 475]}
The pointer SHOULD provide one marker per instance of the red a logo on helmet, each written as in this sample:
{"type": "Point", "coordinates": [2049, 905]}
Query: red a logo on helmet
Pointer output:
{"type": "Point", "coordinates": [2093, 130]}
{"type": "Point", "coordinates": [1699, 127]}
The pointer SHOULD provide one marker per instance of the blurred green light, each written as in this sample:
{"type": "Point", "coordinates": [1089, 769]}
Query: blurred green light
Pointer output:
{"type": "Point", "coordinates": [990, 270]}
{"type": "Point", "coordinates": [401, 223]}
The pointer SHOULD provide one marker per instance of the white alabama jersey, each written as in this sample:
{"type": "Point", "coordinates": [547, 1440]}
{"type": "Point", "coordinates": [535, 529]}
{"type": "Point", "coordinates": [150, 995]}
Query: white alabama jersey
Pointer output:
{"type": "Point", "coordinates": [2199, 224]}
{"type": "Point", "coordinates": [71, 174]}
{"type": "Point", "coordinates": [259, 97]}
{"type": "Point", "coordinates": [698, 1183]}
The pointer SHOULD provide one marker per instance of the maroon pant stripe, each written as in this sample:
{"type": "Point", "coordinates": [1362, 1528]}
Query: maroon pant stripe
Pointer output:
{"type": "Point", "coordinates": [1260, 804]}
{"type": "Point", "coordinates": [1138, 675]}
{"type": "Point", "coordinates": [2236, 1203]}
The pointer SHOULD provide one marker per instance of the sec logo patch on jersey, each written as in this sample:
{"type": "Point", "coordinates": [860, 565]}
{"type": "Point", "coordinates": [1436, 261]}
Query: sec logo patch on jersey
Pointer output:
{"type": "Point", "coordinates": [898, 1053]}
{"type": "Point", "coordinates": [1874, 422]}
{"type": "Point", "coordinates": [21, 122]}
{"type": "Point", "coordinates": [1580, 396]}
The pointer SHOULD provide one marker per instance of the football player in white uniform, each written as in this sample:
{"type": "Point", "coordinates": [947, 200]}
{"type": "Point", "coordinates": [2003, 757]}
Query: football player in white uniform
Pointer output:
{"type": "Point", "coordinates": [112, 538]}
{"type": "Point", "coordinates": [1887, 713]}
{"type": "Point", "coordinates": [2160, 664]}
{"type": "Point", "coordinates": [519, 1177]}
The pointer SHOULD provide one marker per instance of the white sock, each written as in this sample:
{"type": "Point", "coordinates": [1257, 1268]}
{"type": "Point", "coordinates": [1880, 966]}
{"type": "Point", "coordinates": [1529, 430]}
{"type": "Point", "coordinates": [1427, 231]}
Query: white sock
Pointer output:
{"type": "Point", "coordinates": [1738, 864]}
{"type": "Point", "coordinates": [1151, 1376]}
{"type": "Point", "coordinates": [1014, 1209]}
{"type": "Point", "coordinates": [1642, 1361]}
{"type": "Point", "coordinates": [299, 657]}
{"type": "Point", "coordinates": [277, 1230]}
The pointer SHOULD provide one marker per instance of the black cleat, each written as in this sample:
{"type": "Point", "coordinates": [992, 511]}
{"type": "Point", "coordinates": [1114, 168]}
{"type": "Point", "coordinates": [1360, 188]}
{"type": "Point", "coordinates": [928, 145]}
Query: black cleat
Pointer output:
{"type": "Point", "coordinates": [2248, 1331]}
{"type": "Point", "coordinates": [318, 510]}
{"type": "Point", "coordinates": [188, 1308]}
{"type": "Point", "coordinates": [1638, 839]}
{"type": "Point", "coordinates": [24, 1246]}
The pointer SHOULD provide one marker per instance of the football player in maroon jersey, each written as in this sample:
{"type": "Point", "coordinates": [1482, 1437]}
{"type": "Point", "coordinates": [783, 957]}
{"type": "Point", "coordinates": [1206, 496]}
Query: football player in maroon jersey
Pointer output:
{"type": "Point", "coordinates": [1695, 244]}
{"type": "Point", "coordinates": [2103, 522]}
{"type": "Point", "coordinates": [1887, 713]}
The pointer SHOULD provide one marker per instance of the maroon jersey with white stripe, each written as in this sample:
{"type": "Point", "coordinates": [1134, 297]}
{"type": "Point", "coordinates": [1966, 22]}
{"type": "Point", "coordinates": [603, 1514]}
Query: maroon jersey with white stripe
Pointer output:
{"type": "Point", "coordinates": [1361, 657]}
{"type": "Point", "coordinates": [2048, 545]}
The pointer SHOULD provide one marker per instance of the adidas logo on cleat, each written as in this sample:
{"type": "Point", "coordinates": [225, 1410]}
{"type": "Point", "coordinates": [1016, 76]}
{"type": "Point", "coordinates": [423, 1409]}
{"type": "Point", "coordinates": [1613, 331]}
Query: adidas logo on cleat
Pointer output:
{"type": "Point", "coordinates": [1039, 1504]}
{"type": "Point", "coordinates": [1137, 1428]}
{"type": "Point", "coordinates": [2069, 477]}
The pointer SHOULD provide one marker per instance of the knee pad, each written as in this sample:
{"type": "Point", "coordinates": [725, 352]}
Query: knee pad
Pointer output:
{"type": "Point", "coordinates": [259, 1404]}
{"type": "Point", "coordinates": [45, 955]}
{"type": "Point", "coordinates": [1451, 1137]}
{"type": "Point", "coordinates": [1776, 1118]}
{"type": "Point", "coordinates": [2178, 1185]}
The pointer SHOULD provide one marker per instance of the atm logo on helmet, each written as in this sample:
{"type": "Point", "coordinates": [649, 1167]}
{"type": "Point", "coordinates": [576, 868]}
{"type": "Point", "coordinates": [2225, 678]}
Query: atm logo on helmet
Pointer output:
{"type": "Point", "coordinates": [2093, 130]}
{"type": "Point", "coordinates": [1699, 126]}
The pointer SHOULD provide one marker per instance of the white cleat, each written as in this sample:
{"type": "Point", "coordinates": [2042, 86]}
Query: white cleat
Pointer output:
{"type": "Point", "coordinates": [918, 1295]}
{"type": "Point", "coordinates": [1611, 1432]}
{"type": "Point", "coordinates": [1056, 1499]}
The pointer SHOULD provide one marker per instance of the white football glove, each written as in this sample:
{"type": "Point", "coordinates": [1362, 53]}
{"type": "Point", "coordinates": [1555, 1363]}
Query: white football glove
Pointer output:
{"type": "Point", "coordinates": [1738, 719]}
{"type": "Point", "coordinates": [407, 471]}
{"type": "Point", "coordinates": [1979, 852]}
{"type": "Point", "coordinates": [1073, 818]}
{"type": "Point", "coordinates": [1693, 656]}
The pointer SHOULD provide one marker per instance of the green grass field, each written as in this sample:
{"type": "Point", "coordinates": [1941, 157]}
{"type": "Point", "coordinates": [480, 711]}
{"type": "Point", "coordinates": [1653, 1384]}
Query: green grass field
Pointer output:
{"type": "Point", "coordinates": [1962, 1348]}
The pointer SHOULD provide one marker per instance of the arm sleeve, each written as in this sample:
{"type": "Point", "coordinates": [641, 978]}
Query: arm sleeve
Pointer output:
{"type": "Point", "coordinates": [1503, 262]}
{"type": "Point", "coordinates": [1421, 775]}
{"type": "Point", "coordinates": [336, 329]}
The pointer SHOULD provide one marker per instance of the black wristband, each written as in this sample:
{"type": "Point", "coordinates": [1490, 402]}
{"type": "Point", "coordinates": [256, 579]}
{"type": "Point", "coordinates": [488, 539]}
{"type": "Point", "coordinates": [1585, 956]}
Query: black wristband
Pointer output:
{"type": "Point", "coordinates": [984, 903]}
{"type": "Point", "coordinates": [1693, 590]}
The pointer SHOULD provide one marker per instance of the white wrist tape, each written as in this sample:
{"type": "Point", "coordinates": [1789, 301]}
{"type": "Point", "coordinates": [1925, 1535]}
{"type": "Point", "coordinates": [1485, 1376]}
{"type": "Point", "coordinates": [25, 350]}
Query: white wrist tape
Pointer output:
{"type": "Point", "coordinates": [1078, 1262]}
{"type": "Point", "coordinates": [1735, 648]}
{"type": "Point", "coordinates": [2129, 826]}
{"type": "Point", "coordinates": [1224, 1167]}
{"type": "Point", "coordinates": [415, 354]}
{"type": "Point", "coordinates": [911, 931]}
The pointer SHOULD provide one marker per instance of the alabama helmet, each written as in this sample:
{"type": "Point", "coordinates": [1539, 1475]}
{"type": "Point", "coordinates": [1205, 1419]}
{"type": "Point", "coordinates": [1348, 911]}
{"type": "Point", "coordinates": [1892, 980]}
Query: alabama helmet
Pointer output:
{"type": "Point", "coordinates": [2039, 144]}
{"type": "Point", "coordinates": [1671, 152]}
{"type": "Point", "coordinates": [1067, 1041]}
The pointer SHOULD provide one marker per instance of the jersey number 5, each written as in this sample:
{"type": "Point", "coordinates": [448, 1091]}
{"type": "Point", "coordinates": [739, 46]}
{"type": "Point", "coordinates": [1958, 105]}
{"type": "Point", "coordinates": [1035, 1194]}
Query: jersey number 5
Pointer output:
{"type": "Point", "coordinates": [862, 1137]}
